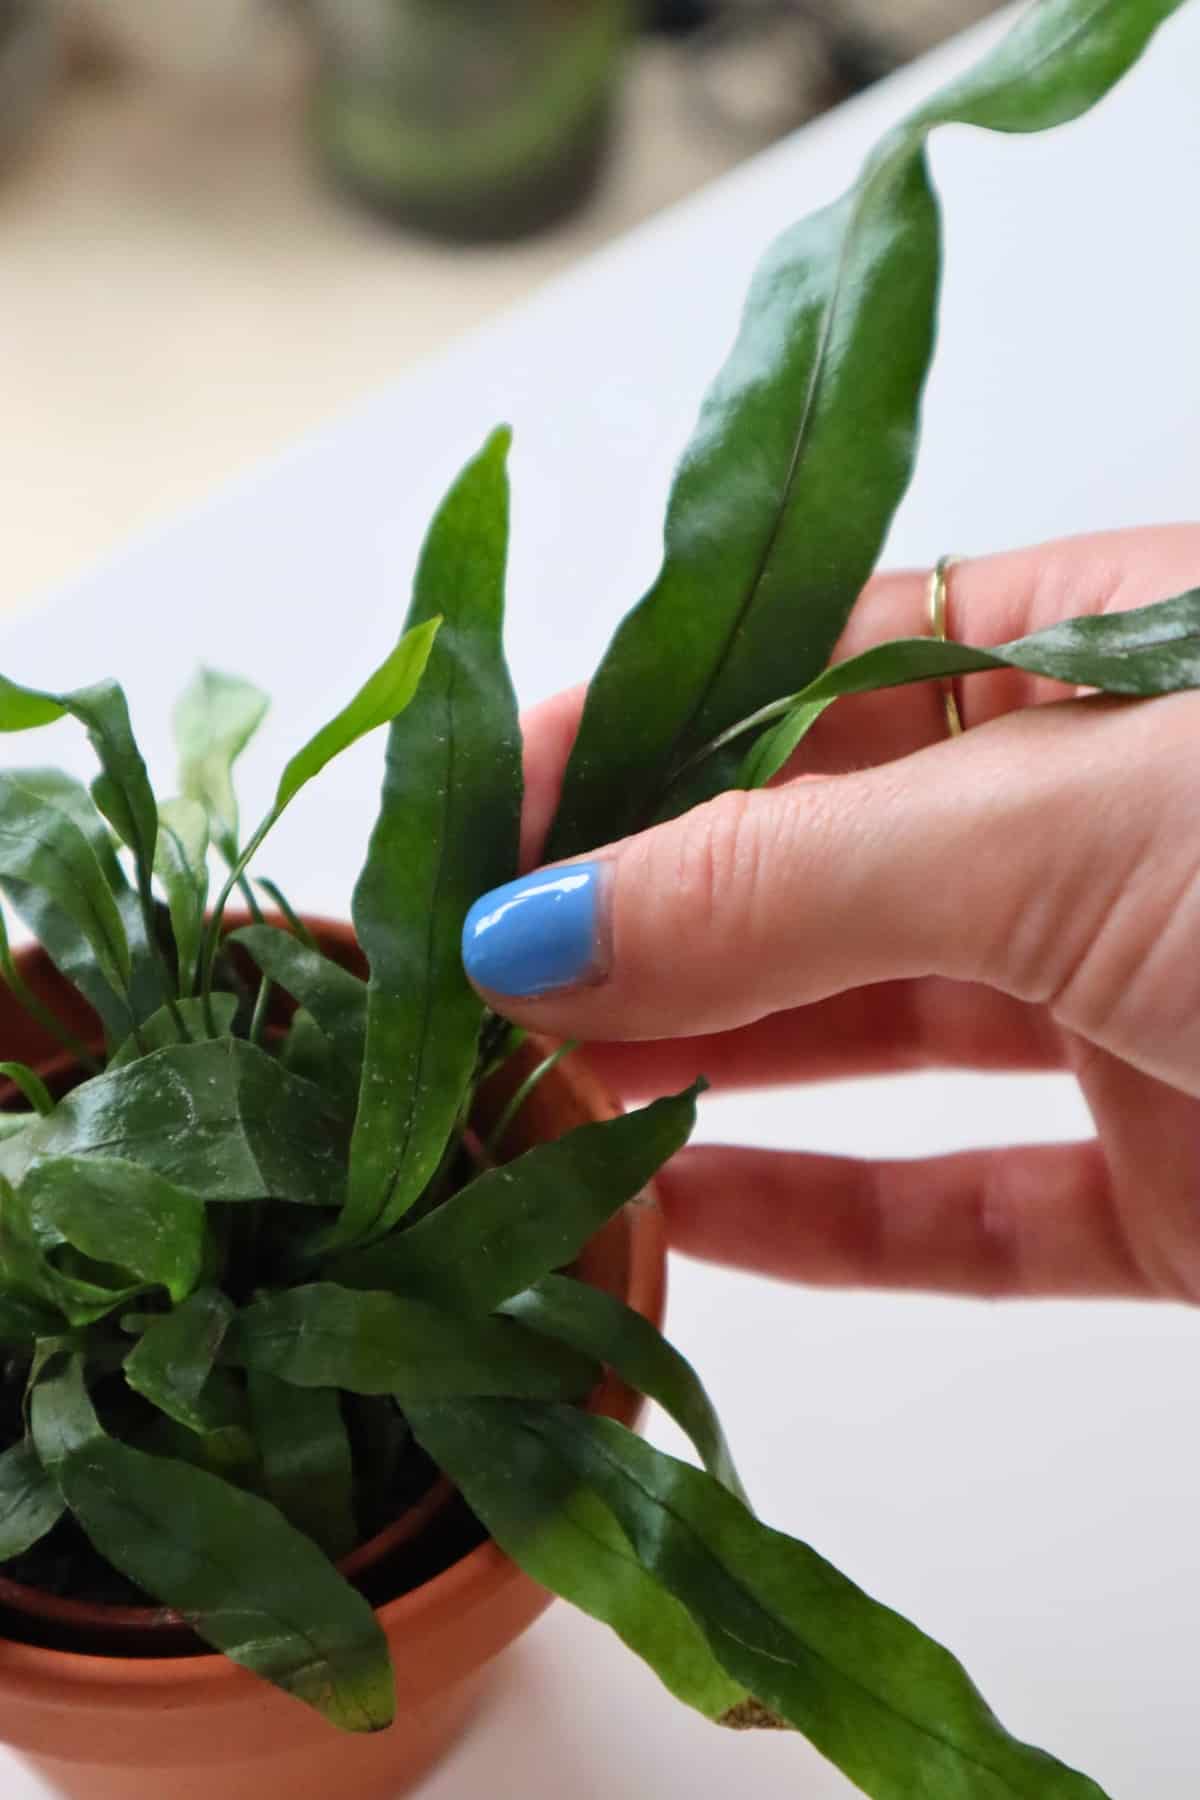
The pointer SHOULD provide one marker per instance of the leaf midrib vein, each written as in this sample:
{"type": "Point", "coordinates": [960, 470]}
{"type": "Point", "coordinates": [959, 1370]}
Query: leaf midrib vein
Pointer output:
{"type": "Point", "coordinates": [856, 1681]}
{"type": "Point", "coordinates": [426, 1002]}
{"type": "Point", "coordinates": [910, 147]}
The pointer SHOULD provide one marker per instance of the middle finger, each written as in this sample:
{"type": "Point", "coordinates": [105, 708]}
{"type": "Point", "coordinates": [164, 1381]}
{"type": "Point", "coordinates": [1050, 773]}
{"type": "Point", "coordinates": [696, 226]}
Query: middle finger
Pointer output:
{"type": "Point", "coordinates": [891, 1028]}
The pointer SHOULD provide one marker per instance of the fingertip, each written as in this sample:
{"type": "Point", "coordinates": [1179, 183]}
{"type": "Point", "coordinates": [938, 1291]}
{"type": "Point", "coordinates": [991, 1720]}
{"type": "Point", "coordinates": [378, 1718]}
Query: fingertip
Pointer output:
{"type": "Point", "coordinates": [538, 935]}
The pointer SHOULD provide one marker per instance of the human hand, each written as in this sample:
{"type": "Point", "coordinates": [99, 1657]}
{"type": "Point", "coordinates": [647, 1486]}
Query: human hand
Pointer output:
{"type": "Point", "coordinates": [1026, 896]}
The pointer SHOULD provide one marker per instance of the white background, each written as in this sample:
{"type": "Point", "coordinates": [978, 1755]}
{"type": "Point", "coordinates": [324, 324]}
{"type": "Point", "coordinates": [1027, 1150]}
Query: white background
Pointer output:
{"type": "Point", "coordinates": [1024, 1480]}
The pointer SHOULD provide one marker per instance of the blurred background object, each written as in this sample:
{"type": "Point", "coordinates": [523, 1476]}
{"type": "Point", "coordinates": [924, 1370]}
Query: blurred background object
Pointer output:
{"type": "Point", "coordinates": [679, 15]}
{"type": "Point", "coordinates": [872, 37]}
{"type": "Point", "coordinates": [760, 68]}
{"type": "Point", "coordinates": [204, 40]}
{"type": "Point", "coordinates": [479, 119]}
{"type": "Point", "coordinates": [184, 290]}
{"type": "Point", "coordinates": [29, 59]}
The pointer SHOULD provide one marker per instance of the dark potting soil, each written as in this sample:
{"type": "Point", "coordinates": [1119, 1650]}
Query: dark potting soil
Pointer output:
{"type": "Point", "coordinates": [451, 1536]}
{"type": "Point", "coordinates": [393, 1474]}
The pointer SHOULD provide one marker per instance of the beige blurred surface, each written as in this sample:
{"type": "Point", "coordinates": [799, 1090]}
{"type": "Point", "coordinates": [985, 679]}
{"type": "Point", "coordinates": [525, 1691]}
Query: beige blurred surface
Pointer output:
{"type": "Point", "coordinates": [180, 295]}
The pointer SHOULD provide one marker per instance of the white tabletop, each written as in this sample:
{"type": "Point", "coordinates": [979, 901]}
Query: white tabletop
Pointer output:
{"type": "Point", "coordinates": [1024, 1480]}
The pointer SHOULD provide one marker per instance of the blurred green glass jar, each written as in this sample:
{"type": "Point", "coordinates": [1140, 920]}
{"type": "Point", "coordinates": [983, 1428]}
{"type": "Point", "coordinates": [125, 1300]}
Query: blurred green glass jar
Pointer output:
{"type": "Point", "coordinates": [475, 119]}
{"type": "Point", "coordinates": [29, 59]}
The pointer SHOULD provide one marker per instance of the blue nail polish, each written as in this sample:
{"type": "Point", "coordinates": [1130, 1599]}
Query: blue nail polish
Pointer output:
{"type": "Point", "coordinates": [535, 934]}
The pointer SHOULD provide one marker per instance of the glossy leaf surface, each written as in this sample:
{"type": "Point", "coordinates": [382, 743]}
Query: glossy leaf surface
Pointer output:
{"type": "Point", "coordinates": [123, 792]}
{"type": "Point", "coordinates": [42, 847]}
{"type": "Point", "coordinates": [245, 1580]}
{"type": "Point", "coordinates": [62, 1418]}
{"type": "Point", "coordinates": [54, 1027]}
{"type": "Point", "coordinates": [62, 936]}
{"type": "Point", "coordinates": [30, 1502]}
{"type": "Point", "coordinates": [602, 1326]}
{"type": "Point", "coordinates": [891, 1708]}
{"type": "Point", "coordinates": [62, 790]}
{"type": "Point", "coordinates": [115, 1211]}
{"type": "Point", "coordinates": [515, 1223]}
{"type": "Point", "coordinates": [307, 1467]}
{"type": "Point", "coordinates": [323, 1335]}
{"type": "Point", "coordinates": [68, 948]}
{"type": "Point", "coordinates": [220, 1119]}
{"type": "Point", "coordinates": [173, 1359]}
{"type": "Point", "coordinates": [39, 1264]}
{"type": "Point", "coordinates": [447, 830]}
{"type": "Point", "coordinates": [562, 1534]}
{"type": "Point", "coordinates": [806, 442]}
{"type": "Point", "coordinates": [23, 1317]}
{"type": "Point", "coordinates": [1151, 650]}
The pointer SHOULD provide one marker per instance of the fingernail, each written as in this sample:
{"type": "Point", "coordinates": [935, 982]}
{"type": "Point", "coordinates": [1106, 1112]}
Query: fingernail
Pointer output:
{"type": "Point", "coordinates": [536, 934]}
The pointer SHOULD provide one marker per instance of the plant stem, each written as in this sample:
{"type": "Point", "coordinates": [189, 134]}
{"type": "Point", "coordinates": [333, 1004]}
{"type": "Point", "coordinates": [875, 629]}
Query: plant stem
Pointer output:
{"type": "Point", "coordinates": [259, 1018]}
{"type": "Point", "coordinates": [498, 1040]}
{"type": "Point", "coordinates": [766, 715]}
{"type": "Point", "coordinates": [496, 1136]}
{"type": "Point", "coordinates": [150, 925]}
{"type": "Point", "coordinates": [212, 933]}
{"type": "Point", "coordinates": [289, 912]}
{"type": "Point", "coordinates": [251, 899]}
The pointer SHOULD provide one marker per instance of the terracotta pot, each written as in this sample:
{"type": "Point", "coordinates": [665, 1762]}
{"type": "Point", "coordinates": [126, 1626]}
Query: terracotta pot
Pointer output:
{"type": "Point", "coordinates": [172, 1727]}
{"type": "Point", "coordinates": [157, 1631]}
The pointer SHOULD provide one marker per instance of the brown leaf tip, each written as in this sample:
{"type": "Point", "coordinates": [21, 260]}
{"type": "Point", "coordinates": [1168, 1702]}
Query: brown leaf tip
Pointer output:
{"type": "Point", "coordinates": [751, 1715]}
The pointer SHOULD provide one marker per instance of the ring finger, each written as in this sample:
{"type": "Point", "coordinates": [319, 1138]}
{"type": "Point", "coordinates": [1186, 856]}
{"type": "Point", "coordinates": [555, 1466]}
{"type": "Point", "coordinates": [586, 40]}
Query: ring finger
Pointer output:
{"type": "Point", "coordinates": [990, 600]}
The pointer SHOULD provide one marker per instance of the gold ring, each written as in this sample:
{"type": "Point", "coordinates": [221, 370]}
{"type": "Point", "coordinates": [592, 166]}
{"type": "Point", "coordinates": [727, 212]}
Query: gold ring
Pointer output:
{"type": "Point", "coordinates": [937, 626]}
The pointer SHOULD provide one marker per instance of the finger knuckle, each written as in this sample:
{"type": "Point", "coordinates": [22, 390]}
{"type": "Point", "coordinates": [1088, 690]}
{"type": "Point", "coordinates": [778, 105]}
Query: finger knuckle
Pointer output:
{"type": "Point", "coordinates": [1123, 970]}
{"type": "Point", "coordinates": [719, 865]}
{"type": "Point", "coordinates": [1133, 982]}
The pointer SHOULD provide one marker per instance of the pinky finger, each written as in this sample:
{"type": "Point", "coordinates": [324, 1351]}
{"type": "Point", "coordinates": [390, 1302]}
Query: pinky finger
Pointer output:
{"type": "Point", "coordinates": [1018, 1223]}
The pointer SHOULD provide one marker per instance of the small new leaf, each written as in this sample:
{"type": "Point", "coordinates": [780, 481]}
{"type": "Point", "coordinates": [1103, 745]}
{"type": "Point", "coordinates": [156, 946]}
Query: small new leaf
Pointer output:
{"type": "Point", "coordinates": [382, 696]}
{"type": "Point", "coordinates": [215, 718]}
{"type": "Point", "coordinates": [1146, 651]}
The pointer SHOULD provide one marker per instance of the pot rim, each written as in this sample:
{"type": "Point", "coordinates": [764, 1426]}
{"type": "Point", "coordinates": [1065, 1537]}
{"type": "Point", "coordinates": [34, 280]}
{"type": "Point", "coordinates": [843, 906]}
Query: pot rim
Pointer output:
{"type": "Point", "coordinates": [467, 1584]}
{"type": "Point", "coordinates": [472, 1581]}
{"type": "Point", "coordinates": [164, 1626]}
